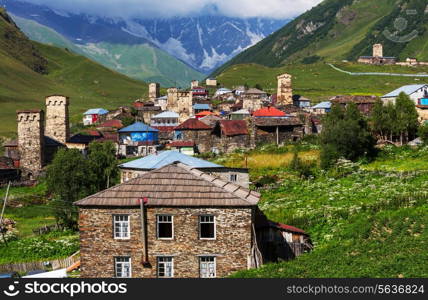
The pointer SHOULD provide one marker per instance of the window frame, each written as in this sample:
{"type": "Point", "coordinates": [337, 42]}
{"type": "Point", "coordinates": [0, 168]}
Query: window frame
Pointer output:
{"type": "Point", "coordinates": [116, 262]}
{"type": "Point", "coordinates": [214, 224]}
{"type": "Point", "coordinates": [214, 262]}
{"type": "Point", "coordinates": [172, 227]}
{"type": "Point", "coordinates": [128, 237]}
{"type": "Point", "coordinates": [164, 263]}
{"type": "Point", "coordinates": [235, 176]}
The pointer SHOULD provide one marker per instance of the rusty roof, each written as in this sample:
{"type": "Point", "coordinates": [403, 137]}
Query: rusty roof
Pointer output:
{"type": "Point", "coordinates": [177, 185]}
{"type": "Point", "coordinates": [233, 127]}
{"type": "Point", "coordinates": [354, 99]}
{"type": "Point", "coordinates": [291, 121]}
{"type": "Point", "coordinates": [193, 124]}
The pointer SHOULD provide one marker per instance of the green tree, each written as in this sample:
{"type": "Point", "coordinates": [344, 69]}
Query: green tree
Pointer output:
{"type": "Point", "coordinates": [103, 164]}
{"type": "Point", "coordinates": [346, 135]}
{"type": "Point", "coordinates": [126, 121]}
{"type": "Point", "coordinates": [423, 133]}
{"type": "Point", "coordinates": [378, 119]}
{"type": "Point", "coordinates": [67, 179]}
{"type": "Point", "coordinates": [406, 123]}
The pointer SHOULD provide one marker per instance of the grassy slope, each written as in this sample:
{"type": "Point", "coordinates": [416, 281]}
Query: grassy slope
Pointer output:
{"type": "Point", "coordinates": [143, 62]}
{"type": "Point", "coordinates": [319, 81]}
{"type": "Point", "coordinates": [87, 83]}
{"type": "Point", "coordinates": [345, 31]}
{"type": "Point", "coordinates": [363, 224]}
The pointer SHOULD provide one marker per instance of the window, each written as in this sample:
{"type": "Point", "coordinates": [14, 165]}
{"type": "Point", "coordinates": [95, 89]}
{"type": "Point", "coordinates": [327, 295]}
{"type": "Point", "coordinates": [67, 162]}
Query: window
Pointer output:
{"type": "Point", "coordinates": [122, 267]}
{"type": "Point", "coordinates": [121, 227]}
{"type": "Point", "coordinates": [206, 227]}
{"type": "Point", "coordinates": [207, 267]}
{"type": "Point", "coordinates": [165, 267]}
{"type": "Point", "coordinates": [233, 177]}
{"type": "Point", "coordinates": [165, 227]}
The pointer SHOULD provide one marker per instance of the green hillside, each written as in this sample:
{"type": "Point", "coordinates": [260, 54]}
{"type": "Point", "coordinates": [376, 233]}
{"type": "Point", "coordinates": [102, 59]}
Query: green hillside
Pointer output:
{"type": "Point", "coordinates": [345, 29]}
{"type": "Point", "coordinates": [142, 62]}
{"type": "Point", "coordinates": [319, 81]}
{"type": "Point", "coordinates": [30, 71]}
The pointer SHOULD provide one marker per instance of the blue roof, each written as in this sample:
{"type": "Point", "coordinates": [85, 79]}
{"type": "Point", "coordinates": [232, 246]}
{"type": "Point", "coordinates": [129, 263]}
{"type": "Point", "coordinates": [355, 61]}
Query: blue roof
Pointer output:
{"type": "Point", "coordinates": [96, 111]}
{"type": "Point", "coordinates": [164, 158]}
{"type": "Point", "coordinates": [407, 89]}
{"type": "Point", "coordinates": [138, 127]}
{"type": "Point", "coordinates": [167, 114]}
{"type": "Point", "coordinates": [201, 106]}
{"type": "Point", "coordinates": [323, 105]}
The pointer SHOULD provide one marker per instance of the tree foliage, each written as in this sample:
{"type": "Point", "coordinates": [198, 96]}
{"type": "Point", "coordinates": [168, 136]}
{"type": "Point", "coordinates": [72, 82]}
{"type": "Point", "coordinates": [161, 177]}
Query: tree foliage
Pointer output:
{"type": "Point", "coordinates": [346, 135]}
{"type": "Point", "coordinates": [71, 177]}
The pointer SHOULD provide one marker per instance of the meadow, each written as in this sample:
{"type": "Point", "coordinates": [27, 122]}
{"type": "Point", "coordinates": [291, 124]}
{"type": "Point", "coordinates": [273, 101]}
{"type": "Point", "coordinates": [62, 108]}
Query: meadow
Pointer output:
{"type": "Point", "coordinates": [365, 219]}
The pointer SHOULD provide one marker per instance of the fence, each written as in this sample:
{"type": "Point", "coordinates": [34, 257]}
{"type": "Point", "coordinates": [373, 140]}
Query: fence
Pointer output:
{"type": "Point", "coordinates": [40, 265]}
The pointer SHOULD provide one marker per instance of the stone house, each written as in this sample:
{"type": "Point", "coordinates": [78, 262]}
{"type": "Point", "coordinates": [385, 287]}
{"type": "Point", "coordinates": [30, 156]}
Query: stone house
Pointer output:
{"type": "Point", "coordinates": [364, 104]}
{"type": "Point", "coordinates": [276, 130]}
{"type": "Point", "coordinates": [173, 222]}
{"type": "Point", "coordinates": [230, 135]}
{"type": "Point", "coordinates": [141, 166]}
{"type": "Point", "coordinates": [146, 112]}
{"type": "Point", "coordinates": [377, 58]}
{"type": "Point", "coordinates": [197, 131]}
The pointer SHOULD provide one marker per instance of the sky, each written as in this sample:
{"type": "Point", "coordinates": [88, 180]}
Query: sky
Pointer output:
{"type": "Point", "coordinates": [278, 9]}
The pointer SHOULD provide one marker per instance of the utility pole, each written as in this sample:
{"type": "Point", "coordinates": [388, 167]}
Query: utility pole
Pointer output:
{"type": "Point", "coordinates": [3, 228]}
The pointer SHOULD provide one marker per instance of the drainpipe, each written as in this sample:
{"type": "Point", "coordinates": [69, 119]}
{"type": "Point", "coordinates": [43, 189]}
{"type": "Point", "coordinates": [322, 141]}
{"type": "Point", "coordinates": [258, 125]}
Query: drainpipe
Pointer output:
{"type": "Point", "coordinates": [145, 259]}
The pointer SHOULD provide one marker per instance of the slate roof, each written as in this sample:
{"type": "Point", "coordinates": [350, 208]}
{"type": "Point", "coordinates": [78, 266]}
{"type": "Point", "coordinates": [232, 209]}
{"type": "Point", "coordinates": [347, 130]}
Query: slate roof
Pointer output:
{"type": "Point", "coordinates": [210, 120]}
{"type": "Point", "coordinates": [193, 124]}
{"type": "Point", "coordinates": [269, 112]}
{"type": "Point", "coordinates": [174, 185]}
{"type": "Point", "coordinates": [255, 91]}
{"type": "Point", "coordinates": [96, 111]}
{"type": "Point", "coordinates": [82, 139]}
{"type": "Point", "coordinates": [112, 123]}
{"type": "Point", "coordinates": [138, 127]}
{"type": "Point", "coordinates": [354, 99]}
{"type": "Point", "coordinates": [267, 122]}
{"type": "Point", "coordinates": [233, 127]}
{"type": "Point", "coordinates": [164, 158]}
{"type": "Point", "coordinates": [407, 89]}
{"type": "Point", "coordinates": [167, 115]}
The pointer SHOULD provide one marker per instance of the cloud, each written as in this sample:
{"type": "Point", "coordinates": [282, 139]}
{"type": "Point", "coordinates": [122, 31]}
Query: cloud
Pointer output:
{"type": "Point", "coordinates": [278, 9]}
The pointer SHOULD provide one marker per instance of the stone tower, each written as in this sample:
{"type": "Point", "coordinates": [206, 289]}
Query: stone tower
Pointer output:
{"type": "Point", "coordinates": [31, 141]}
{"type": "Point", "coordinates": [377, 50]}
{"type": "Point", "coordinates": [57, 118]}
{"type": "Point", "coordinates": [194, 83]}
{"type": "Point", "coordinates": [172, 99]}
{"type": "Point", "coordinates": [154, 91]}
{"type": "Point", "coordinates": [285, 91]}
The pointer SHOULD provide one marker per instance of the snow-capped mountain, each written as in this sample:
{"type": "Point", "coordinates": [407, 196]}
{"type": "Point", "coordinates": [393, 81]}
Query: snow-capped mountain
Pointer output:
{"type": "Point", "coordinates": [202, 42]}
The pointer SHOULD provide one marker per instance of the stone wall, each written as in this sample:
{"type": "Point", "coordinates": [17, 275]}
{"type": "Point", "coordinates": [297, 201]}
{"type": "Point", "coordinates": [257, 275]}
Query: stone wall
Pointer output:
{"type": "Point", "coordinates": [252, 104]}
{"type": "Point", "coordinates": [268, 135]}
{"type": "Point", "coordinates": [57, 118]}
{"type": "Point", "coordinates": [154, 91]}
{"type": "Point", "coordinates": [31, 141]}
{"type": "Point", "coordinates": [202, 139]}
{"type": "Point", "coordinates": [377, 50]}
{"type": "Point", "coordinates": [285, 91]}
{"type": "Point", "coordinates": [98, 248]}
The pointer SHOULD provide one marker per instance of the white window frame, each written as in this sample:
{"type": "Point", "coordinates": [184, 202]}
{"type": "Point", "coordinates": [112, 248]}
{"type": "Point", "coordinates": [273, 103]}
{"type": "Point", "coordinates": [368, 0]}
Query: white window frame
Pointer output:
{"type": "Point", "coordinates": [215, 227]}
{"type": "Point", "coordinates": [157, 227]}
{"type": "Point", "coordinates": [162, 260]}
{"type": "Point", "coordinates": [119, 223]}
{"type": "Point", "coordinates": [233, 177]}
{"type": "Point", "coordinates": [207, 263]}
{"type": "Point", "coordinates": [122, 264]}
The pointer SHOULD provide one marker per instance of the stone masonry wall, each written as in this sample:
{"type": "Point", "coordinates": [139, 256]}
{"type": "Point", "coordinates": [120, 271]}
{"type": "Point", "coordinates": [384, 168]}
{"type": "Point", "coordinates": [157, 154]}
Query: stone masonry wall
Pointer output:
{"type": "Point", "coordinates": [57, 118]}
{"type": "Point", "coordinates": [202, 138]}
{"type": "Point", "coordinates": [31, 141]}
{"type": "Point", "coordinates": [285, 91]}
{"type": "Point", "coordinates": [98, 248]}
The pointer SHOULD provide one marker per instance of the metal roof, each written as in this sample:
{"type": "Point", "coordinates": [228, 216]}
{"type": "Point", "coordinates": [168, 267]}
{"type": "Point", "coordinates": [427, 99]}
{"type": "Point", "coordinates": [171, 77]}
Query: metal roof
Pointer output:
{"type": "Point", "coordinates": [407, 89]}
{"type": "Point", "coordinates": [167, 114]}
{"type": "Point", "coordinates": [201, 106]}
{"type": "Point", "coordinates": [164, 158]}
{"type": "Point", "coordinates": [174, 185]}
{"type": "Point", "coordinates": [323, 105]}
{"type": "Point", "coordinates": [138, 127]}
{"type": "Point", "coordinates": [96, 111]}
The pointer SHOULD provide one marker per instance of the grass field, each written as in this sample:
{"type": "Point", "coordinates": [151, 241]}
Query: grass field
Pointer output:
{"type": "Point", "coordinates": [366, 220]}
{"type": "Point", "coordinates": [319, 82]}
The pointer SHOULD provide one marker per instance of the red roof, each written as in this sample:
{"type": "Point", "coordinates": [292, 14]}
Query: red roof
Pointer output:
{"type": "Point", "coordinates": [93, 133]}
{"type": "Point", "coordinates": [269, 112]}
{"type": "Point", "coordinates": [112, 123]}
{"type": "Point", "coordinates": [182, 144]}
{"type": "Point", "coordinates": [233, 127]}
{"type": "Point", "coordinates": [164, 128]}
{"type": "Point", "coordinates": [193, 124]}
{"type": "Point", "coordinates": [289, 228]}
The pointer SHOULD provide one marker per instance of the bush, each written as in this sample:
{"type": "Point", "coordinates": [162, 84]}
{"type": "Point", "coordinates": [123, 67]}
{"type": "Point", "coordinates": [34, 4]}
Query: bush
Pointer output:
{"type": "Point", "coordinates": [311, 59]}
{"type": "Point", "coordinates": [423, 133]}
